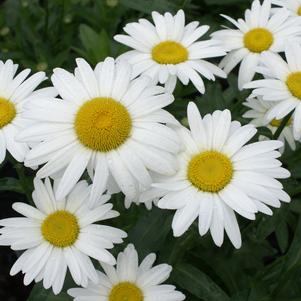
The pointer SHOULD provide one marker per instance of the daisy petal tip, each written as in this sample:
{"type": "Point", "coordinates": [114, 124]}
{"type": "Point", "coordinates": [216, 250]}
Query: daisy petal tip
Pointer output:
{"type": "Point", "coordinates": [56, 70]}
{"type": "Point", "coordinates": [237, 245]}
{"type": "Point", "coordinates": [279, 144]}
{"type": "Point", "coordinates": [109, 59]}
{"type": "Point", "coordinates": [123, 234]}
{"type": "Point", "coordinates": [161, 205]}
{"type": "Point", "coordinates": [16, 205]}
{"type": "Point", "coordinates": [222, 73]}
{"type": "Point", "coordinates": [127, 205]}
{"type": "Point", "coordinates": [241, 86]}
{"type": "Point", "coordinates": [218, 243]}
{"type": "Point", "coordinates": [14, 271]}
{"type": "Point", "coordinates": [192, 107]}
{"type": "Point", "coordinates": [247, 86]}
{"type": "Point", "coordinates": [112, 261]}
{"type": "Point", "coordinates": [56, 291]}
{"type": "Point", "coordinates": [155, 13]}
{"type": "Point", "coordinates": [177, 233]}
{"type": "Point", "coordinates": [80, 60]}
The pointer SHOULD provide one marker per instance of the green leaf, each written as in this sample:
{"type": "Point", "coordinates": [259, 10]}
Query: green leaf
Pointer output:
{"type": "Point", "coordinates": [282, 235]}
{"type": "Point", "coordinates": [198, 283]}
{"type": "Point", "coordinates": [10, 184]}
{"type": "Point", "coordinates": [97, 45]}
{"type": "Point", "coordinates": [39, 293]}
{"type": "Point", "coordinates": [147, 6]}
{"type": "Point", "coordinates": [294, 253]}
{"type": "Point", "coordinates": [150, 231]}
{"type": "Point", "coordinates": [267, 226]}
{"type": "Point", "coordinates": [226, 2]}
{"type": "Point", "coordinates": [241, 296]}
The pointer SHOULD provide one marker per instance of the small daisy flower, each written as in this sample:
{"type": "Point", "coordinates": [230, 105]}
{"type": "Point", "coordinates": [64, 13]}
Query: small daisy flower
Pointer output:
{"type": "Point", "coordinates": [294, 6]}
{"type": "Point", "coordinates": [106, 123]}
{"type": "Point", "coordinates": [60, 235]}
{"type": "Point", "coordinates": [130, 281]}
{"type": "Point", "coordinates": [282, 84]}
{"type": "Point", "coordinates": [258, 112]}
{"type": "Point", "coordinates": [169, 49]}
{"type": "Point", "coordinates": [14, 92]}
{"type": "Point", "coordinates": [259, 32]}
{"type": "Point", "coordinates": [218, 175]}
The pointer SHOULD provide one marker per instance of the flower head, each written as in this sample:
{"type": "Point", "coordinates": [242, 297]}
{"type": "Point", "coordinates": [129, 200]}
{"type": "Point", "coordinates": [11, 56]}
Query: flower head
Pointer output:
{"type": "Point", "coordinates": [169, 49]}
{"type": "Point", "coordinates": [106, 123]}
{"type": "Point", "coordinates": [258, 112]}
{"type": "Point", "coordinates": [259, 32]}
{"type": "Point", "coordinates": [15, 91]}
{"type": "Point", "coordinates": [281, 85]}
{"type": "Point", "coordinates": [218, 175]}
{"type": "Point", "coordinates": [294, 6]}
{"type": "Point", "coordinates": [57, 236]}
{"type": "Point", "coordinates": [130, 281]}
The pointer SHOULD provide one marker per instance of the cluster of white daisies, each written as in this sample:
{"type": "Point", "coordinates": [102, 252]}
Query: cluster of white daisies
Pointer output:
{"type": "Point", "coordinates": [110, 122]}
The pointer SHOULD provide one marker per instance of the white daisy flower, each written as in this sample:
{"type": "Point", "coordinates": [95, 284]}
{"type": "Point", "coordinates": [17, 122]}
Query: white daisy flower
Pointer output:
{"type": "Point", "coordinates": [218, 175]}
{"type": "Point", "coordinates": [130, 281]}
{"type": "Point", "coordinates": [60, 235]}
{"type": "Point", "coordinates": [106, 123]}
{"type": "Point", "coordinates": [259, 32]}
{"type": "Point", "coordinates": [294, 6]}
{"type": "Point", "coordinates": [282, 85]}
{"type": "Point", "coordinates": [14, 92]}
{"type": "Point", "coordinates": [169, 49]}
{"type": "Point", "coordinates": [258, 113]}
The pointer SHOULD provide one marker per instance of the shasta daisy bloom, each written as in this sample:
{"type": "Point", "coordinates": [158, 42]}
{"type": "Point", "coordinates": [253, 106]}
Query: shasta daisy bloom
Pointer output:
{"type": "Point", "coordinates": [294, 6]}
{"type": "Point", "coordinates": [60, 235]}
{"type": "Point", "coordinates": [14, 92]}
{"type": "Point", "coordinates": [282, 84]}
{"type": "Point", "coordinates": [169, 49]}
{"type": "Point", "coordinates": [105, 123]}
{"type": "Point", "coordinates": [259, 32]}
{"type": "Point", "coordinates": [258, 112]}
{"type": "Point", "coordinates": [218, 175]}
{"type": "Point", "coordinates": [130, 281]}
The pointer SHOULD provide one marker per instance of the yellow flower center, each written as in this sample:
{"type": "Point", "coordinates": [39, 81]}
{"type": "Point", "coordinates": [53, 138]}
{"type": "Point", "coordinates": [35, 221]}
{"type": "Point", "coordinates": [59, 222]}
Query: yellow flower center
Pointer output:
{"type": "Point", "coordinates": [293, 83]}
{"type": "Point", "coordinates": [169, 52]}
{"type": "Point", "coordinates": [103, 124]}
{"type": "Point", "coordinates": [126, 291]}
{"type": "Point", "coordinates": [60, 228]}
{"type": "Point", "coordinates": [277, 122]}
{"type": "Point", "coordinates": [299, 11]}
{"type": "Point", "coordinates": [258, 39]}
{"type": "Point", "coordinates": [210, 171]}
{"type": "Point", "coordinates": [7, 112]}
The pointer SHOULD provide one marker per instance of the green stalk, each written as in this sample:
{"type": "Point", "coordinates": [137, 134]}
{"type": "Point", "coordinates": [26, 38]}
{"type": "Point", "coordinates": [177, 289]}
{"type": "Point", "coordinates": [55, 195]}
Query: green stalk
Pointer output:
{"type": "Point", "coordinates": [284, 122]}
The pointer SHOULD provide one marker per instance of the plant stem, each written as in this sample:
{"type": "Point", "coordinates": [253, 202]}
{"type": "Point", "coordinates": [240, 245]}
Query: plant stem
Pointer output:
{"type": "Point", "coordinates": [282, 125]}
{"type": "Point", "coordinates": [25, 184]}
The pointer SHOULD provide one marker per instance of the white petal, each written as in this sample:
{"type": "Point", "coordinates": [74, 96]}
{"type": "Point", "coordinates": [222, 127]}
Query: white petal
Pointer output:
{"type": "Point", "coordinates": [73, 173]}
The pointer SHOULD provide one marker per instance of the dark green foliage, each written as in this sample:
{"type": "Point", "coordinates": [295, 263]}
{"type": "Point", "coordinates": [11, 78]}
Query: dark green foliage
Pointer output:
{"type": "Point", "coordinates": [43, 35]}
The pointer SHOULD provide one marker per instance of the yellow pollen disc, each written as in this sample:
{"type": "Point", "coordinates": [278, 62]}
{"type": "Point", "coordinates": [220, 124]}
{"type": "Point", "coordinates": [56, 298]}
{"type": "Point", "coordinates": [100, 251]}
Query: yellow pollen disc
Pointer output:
{"type": "Point", "coordinates": [60, 229]}
{"type": "Point", "coordinates": [169, 52]}
{"type": "Point", "coordinates": [258, 39]}
{"type": "Point", "coordinates": [103, 124]}
{"type": "Point", "coordinates": [7, 112]}
{"type": "Point", "coordinates": [277, 122]}
{"type": "Point", "coordinates": [293, 83]}
{"type": "Point", "coordinates": [126, 291]}
{"type": "Point", "coordinates": [210, 171]}
{"type": "Point", "coordinates": [299, 11]}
